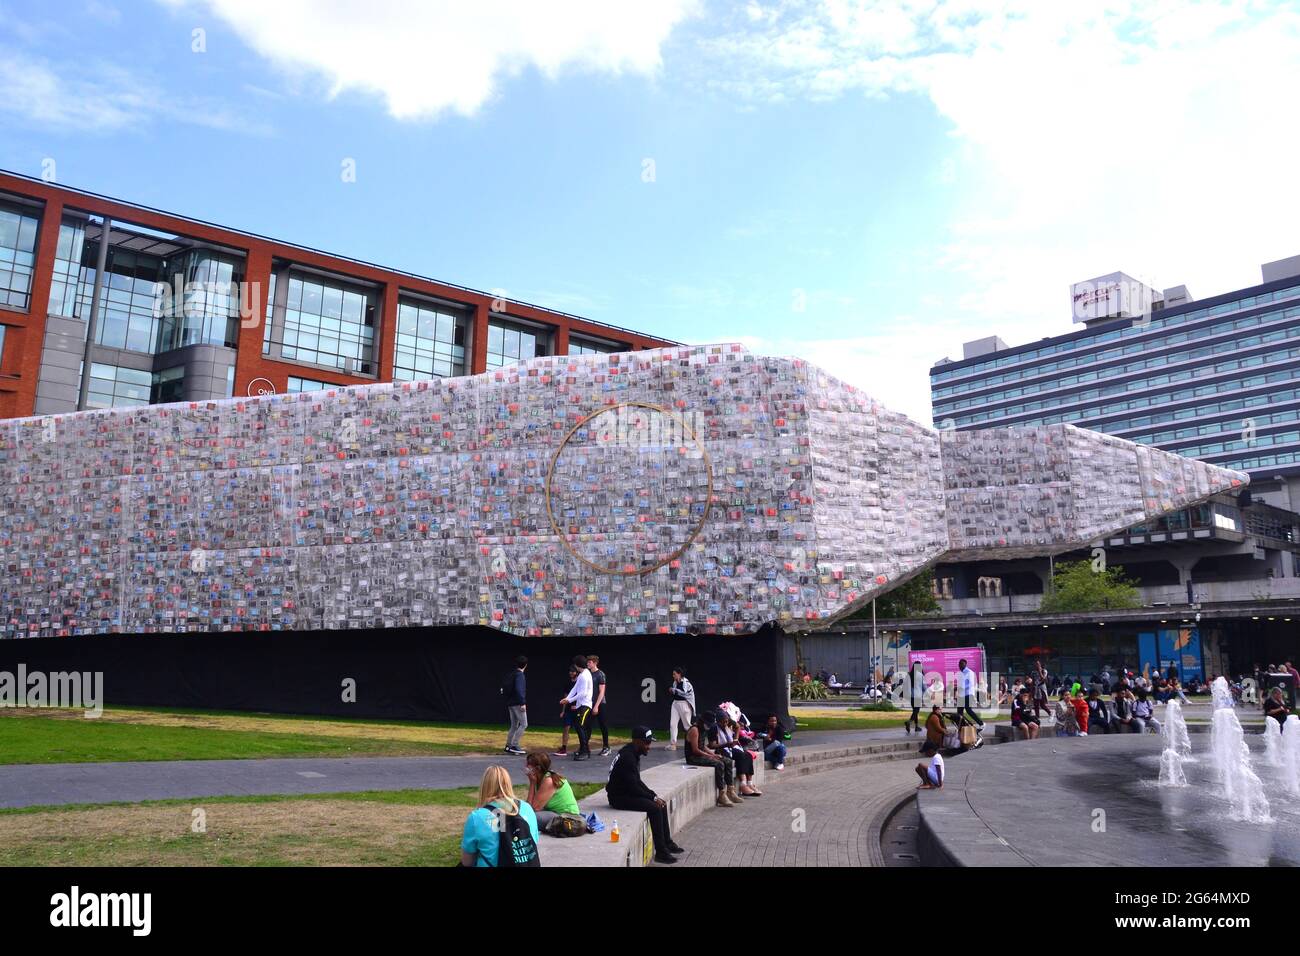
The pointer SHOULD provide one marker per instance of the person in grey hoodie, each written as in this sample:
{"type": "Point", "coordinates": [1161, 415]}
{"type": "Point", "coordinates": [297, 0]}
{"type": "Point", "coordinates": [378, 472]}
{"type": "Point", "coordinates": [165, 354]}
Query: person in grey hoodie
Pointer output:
{"type": "Point", "coordinates": [683, 706]}
{"type": "Point", "coordinates": [516, 694]}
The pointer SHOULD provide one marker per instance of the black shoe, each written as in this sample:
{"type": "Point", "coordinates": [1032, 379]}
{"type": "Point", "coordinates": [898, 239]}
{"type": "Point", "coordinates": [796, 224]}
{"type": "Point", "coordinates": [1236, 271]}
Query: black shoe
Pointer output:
{"type": "Point", "coordinates": [582, 756]}
{"type": "Point", "coordinates": [604, 751]}
{"type": "Point", "coordinates": [665, 858]}
{"type": "Point", "coordinates": [674, 848]}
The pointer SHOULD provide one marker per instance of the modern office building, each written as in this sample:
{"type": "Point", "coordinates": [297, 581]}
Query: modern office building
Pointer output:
{"type": "Point", "coordinates": [190, 311]}
{"type": "Point", "coordinates": [1216, 379]}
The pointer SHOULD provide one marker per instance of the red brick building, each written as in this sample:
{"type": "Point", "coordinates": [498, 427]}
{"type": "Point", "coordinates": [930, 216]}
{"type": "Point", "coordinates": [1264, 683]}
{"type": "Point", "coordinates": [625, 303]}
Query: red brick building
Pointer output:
{"type": "Point", "coordinates": [193, 311]}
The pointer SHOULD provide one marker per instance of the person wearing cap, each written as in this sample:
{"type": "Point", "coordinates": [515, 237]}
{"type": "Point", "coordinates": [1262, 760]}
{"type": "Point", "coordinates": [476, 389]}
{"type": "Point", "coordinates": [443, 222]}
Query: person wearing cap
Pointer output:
{"type": "Point", "coordinates": [626, 791]}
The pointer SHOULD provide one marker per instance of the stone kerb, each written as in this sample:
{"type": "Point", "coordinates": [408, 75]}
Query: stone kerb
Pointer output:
{"type": "Point", "coordinates": [689, 792]}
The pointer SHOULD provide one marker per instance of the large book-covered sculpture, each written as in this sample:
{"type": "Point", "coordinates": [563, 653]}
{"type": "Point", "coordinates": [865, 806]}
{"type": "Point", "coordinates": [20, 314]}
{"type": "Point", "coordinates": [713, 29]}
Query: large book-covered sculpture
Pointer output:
{"type": "Point", "coordinates": [690, 489]}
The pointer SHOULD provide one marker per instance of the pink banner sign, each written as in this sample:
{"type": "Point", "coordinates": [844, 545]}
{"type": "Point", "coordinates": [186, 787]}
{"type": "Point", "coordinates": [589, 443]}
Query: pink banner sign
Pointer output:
{"type": "Point", "coordinates": [944, 660]}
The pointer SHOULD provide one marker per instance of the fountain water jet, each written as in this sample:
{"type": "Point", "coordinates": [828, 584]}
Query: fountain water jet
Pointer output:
{"type": "Point", "coordinates": [1290, 751]}
{"type": "Point", "coordinates": [1171, 769]}
{"type": "Point", "coordinates": [1239, 784]}
{"type": "Point", "coordinates": [1272, 742]}
{"type": "Point", "coordinates": [1175, 730]}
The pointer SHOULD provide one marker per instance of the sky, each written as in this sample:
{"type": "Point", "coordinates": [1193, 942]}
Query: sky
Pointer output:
{"type": "Point", "coordinates": [864, 185]}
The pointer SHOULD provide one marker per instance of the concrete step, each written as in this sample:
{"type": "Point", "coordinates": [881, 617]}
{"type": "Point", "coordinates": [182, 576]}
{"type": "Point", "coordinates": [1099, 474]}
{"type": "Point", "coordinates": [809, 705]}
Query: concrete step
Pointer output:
{"type": "Point", "coordinates": [801, 762]}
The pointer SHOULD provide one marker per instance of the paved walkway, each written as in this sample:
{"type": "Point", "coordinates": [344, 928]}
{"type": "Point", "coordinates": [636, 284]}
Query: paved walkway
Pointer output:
{"type": "Point", "coordinates": [24, 785]}
{"type": "Point", "coordinates": [842, 812]}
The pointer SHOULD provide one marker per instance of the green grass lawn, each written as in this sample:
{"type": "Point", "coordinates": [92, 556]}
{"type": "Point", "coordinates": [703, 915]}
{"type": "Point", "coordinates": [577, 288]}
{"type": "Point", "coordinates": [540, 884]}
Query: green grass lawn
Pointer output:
{"type": "Point", "coordinates": [52, 736]}
{"type": "Point", "coordinates": [35, 735]}
{"type": "Point", "coordinates": [369, 828]}
{"type": "Point", "coordinates": [41, 740]}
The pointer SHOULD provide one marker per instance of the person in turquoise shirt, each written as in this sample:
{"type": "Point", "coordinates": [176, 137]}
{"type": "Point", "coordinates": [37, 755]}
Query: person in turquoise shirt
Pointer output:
{"type": "Point", "coordinates": [481, 841]}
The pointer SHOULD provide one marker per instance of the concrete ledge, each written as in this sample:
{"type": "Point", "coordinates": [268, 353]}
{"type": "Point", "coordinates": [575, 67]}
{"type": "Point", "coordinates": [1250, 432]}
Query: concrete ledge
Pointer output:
{"type": "Point", "coordinates": [1006, 733]}
{"type": "Point", "coordinates": [688, 790]}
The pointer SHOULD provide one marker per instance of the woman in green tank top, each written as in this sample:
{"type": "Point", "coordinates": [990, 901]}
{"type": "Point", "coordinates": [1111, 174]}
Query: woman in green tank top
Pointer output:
{"type": "Point", "coordinates": [548, 792]}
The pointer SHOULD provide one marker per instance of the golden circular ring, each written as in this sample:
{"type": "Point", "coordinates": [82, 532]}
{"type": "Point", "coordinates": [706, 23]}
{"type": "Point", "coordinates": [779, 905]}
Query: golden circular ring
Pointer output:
{"type": "Point", "coordinates": [708, 501]}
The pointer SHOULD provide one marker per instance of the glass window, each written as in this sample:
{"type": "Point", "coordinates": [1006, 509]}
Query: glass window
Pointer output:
{"type": "Point", "coordinates": [169, 385]}
{"type": "Point", "coordinates": [17, 255]}
{"type": "Point", "coordinates": [208, 313]}
{"type": "Point", "coordinates": [580, 346]}
{"type": "Point", "coordinates": [66, 286]}
{"type": "Point", "coordinates": [307, 384]}
{"type": "Point", "coordinates": [112, 386]}
{"type": "Point", "coordinates": [430, 341]}
{"type": "Point", "coordinates": [509, 344]}
{"type": "Point", "coordinates": [328, 323]}
{"type": "Point", "coordinates": [132, 297]}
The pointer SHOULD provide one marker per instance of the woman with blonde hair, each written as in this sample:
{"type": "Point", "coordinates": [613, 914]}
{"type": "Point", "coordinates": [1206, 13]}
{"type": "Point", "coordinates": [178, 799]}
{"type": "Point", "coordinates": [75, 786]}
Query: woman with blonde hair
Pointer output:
{"type": "Point", "coordinates": [500, 822]}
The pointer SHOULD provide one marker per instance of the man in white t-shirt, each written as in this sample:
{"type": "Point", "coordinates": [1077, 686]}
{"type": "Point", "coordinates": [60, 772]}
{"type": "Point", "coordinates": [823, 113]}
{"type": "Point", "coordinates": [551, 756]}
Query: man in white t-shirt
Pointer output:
{"type": "Point", "coordinates": [931, 774]}
{"type": "Point", "coordinates": [966, 684]}
{"type": "Point", "coordinates": [578, 702]}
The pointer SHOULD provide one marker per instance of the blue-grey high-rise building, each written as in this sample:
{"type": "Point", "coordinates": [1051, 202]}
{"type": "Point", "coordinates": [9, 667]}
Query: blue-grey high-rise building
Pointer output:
{"type": "Point", "coordinates": [1216, 379]}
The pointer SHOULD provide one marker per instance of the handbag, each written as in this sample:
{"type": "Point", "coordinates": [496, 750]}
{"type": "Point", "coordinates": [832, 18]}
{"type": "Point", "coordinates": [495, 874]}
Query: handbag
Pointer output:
{"type": "Point", "coordinates": [967, 735]}
{"type": "Point", "coordinates": [567, 825]}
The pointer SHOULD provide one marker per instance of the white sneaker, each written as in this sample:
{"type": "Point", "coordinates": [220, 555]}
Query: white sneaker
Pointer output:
{"type": "Point", "coordinates": [1083, 733]}
{"type": "Point", "coordinates": [780, 766]}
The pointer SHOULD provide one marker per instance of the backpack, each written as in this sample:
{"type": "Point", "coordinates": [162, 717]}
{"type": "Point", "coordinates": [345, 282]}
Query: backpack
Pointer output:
{"type": "Point", "coordinates": [517, 846]}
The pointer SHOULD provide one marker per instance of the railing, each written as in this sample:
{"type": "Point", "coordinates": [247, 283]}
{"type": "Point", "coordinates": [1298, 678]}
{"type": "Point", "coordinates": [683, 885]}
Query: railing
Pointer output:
{"type": "Point", "coordinates": [1212, 592]}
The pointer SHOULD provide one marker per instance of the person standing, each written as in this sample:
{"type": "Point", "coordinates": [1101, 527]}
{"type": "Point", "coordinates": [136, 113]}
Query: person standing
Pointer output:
{"type": "Point", "coordinates": [578, 701]}
{"type": "Point", "coordinates": [626, 791]}
{"type": "Point", "coordinates": [916, 695]}
{"type": "Point", "coordinates": [517, 706]}
{"type": "Point", "coordinates": [598, 701]}
{"type": "Point", "coordinates": [966, 684]}
{"type": "Point", "coordinates": [566, 717]}
{"type": "Point", "coordinates": [683, 706]}
{"type": "Point", "coordinates": [1040, 688]}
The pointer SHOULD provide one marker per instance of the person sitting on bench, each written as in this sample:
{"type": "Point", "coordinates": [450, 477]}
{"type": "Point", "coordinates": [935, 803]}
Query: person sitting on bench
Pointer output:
{"type": "Point", "coordinates": [626, 791]}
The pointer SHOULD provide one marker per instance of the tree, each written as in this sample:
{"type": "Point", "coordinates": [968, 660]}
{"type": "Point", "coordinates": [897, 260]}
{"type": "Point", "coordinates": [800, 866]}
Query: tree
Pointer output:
{"type": "Point", "coordinates": [1076, 586]}
{"type": "Point", "coordinates": [914, 598]}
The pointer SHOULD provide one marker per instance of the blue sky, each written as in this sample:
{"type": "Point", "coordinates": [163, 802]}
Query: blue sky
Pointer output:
{"type": "Point", "coordinates": [866, 185]}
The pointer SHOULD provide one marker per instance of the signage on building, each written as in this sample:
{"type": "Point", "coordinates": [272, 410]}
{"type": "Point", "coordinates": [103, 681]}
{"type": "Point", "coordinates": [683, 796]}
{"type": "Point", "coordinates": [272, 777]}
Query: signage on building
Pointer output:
{"type": "Point", "coordinates": [260, 386]}
{"type": "Point", "coordinates": [1110, 296]}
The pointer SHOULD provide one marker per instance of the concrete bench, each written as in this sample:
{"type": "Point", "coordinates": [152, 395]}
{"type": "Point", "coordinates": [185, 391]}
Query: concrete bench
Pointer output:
{"type": "Point", "coordinates": [688, 790]}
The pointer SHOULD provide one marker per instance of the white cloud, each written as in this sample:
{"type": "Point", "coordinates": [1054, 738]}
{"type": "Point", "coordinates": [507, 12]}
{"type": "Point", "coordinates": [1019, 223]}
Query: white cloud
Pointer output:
{"type": "Point", "coordinates": [425, 59]}
{"type": "Point", "coordinates": [1154, 137]}
{"type": "Point", "coordinates": [882, 364]}
{"type": "Point", "coordinates": [99, 97]}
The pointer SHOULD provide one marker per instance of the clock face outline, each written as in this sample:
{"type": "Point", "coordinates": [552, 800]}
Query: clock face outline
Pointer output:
{"type": "Point", "coordinates": [267, 389]}
{"type": "Point", "coordinates": [677, 422]}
